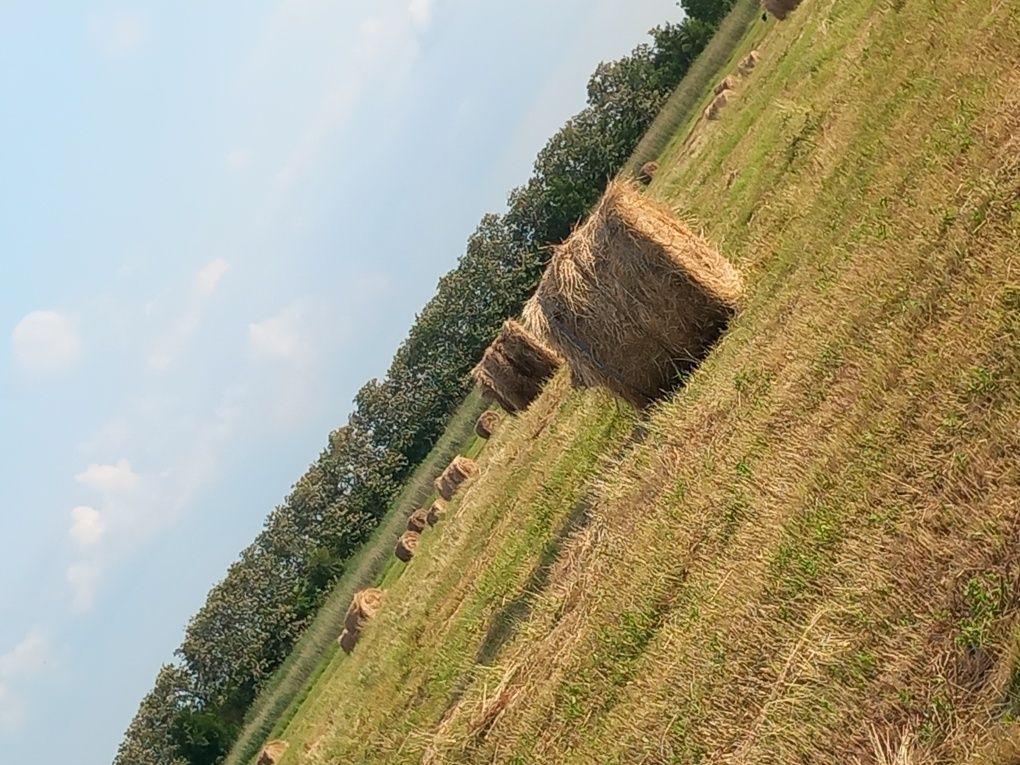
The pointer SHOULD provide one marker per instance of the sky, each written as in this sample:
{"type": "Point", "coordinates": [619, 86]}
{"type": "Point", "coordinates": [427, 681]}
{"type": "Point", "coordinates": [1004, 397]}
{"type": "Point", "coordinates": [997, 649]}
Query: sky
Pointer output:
{"type": "Point", "coordinates": [217, 221]}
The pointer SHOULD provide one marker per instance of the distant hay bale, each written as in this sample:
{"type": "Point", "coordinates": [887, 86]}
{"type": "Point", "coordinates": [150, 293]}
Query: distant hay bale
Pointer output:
{"type": "Point", "coordinates": [633, 297]}
{"type": "Point", "coordinates": [435, 512]}
{"type": "Point", "coordinates": [780, 8]}
{"type": "Point", "coordinates": [364, 606]}
{"type": "Point", "coordinates": [406, 545]}
{"type": "Point", "coordinates": [487, 423]}
{"type": "Point", "coordinates": [514, 367]}
{"type": "Point", "coordinates": [729, 83]}
{"type": "Point", "coordinates": [749, 62]}
{"type": "Point", "coordinates": [348, 640]}
{"type": "Point", "coordinates": [418, 521]}
{"type": "Point", "coordinates": [456, 473]}
{"type": "Point", "coordinates": [713, 110]}
{"type": "Point", "coordinates": [272, 752]}
{"type": "Point", "coordinates": [647, 172]}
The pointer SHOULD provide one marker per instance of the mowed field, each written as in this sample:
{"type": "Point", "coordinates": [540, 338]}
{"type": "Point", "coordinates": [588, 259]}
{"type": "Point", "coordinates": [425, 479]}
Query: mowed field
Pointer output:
{"type": "Point", "coordinates": [809, 554]}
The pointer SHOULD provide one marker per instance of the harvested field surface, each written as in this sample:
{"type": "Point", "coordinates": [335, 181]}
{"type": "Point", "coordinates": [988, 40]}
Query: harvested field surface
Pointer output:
{"type": "Point", "coordinates": [810, 553]}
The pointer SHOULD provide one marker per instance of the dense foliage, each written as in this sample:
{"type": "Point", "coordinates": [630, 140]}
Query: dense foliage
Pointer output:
{"type": "Point", "coordinates": [252, 618]}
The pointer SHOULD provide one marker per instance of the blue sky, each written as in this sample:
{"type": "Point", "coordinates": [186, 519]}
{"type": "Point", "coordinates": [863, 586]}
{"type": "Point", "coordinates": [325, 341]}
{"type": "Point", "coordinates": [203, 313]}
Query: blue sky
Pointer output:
{"type": "Point", "coordinates": [217, 220]}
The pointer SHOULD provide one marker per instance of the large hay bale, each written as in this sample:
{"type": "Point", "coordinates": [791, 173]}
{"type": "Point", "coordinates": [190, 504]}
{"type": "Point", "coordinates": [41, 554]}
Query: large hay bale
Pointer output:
{"type": "Point", "coordinates": [272, 752]}
{"type": "Point", "coordinates": [633, 297]}
{"type": "Point", "coordinates": [749, 62]}
{"type": "Point", "coordinates": [435, 512]}
{"type": "Point", "coordinates": [364, 606]}
{"type": "Point", "coordinates": [406, 546]}
{"type": "Point", "coordinates": [348, 640]}
{"type": "Point", "coordinates": [647, 172]}
{"type": "Point", "coordinates": [456, 473]}
{"type": "Point", "coordinates": [514, 367]}
{"type": "Point", "coordinates": [487, 423]}
{"type": "Point", "coordinates": [780, 8]}
{"type": "Point", "coordinates": [728, 83]}
{"type": "Point", "coordinates": [418, 521]}
{"type": "Point", "coordinates": [714, 109]}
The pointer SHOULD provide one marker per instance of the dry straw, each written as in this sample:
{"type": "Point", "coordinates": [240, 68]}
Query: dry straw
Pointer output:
{"type": "Point", "coordinates": [406, 545]}
{"type": "Point", "coordinates": [348, 640]}
{"type": "Point", "coordinates": [435, 512]}
{"type": "Point", "coordinates": [728, 83]}
{"type": "Point", "coordinates": [487, 424]}
{"type": "Point", "coordinates": [364, 606]}
{"type": "Point", "coordinates": [456, 473]}
{"type": "Point", "coordinates": [272, 752]}
{"type": "Point", "coordinates": [714, 109]}
{"type": "Point", "coordinates": [647, 172]}
{"type": "Point", "coordinates": [749, 62]}
{"type": "Point", "coordinates": [417, 521]}
{"type": "Point", "coordinates": [633, 297]}
{"type": "Point", "coordinates": [514, 367]}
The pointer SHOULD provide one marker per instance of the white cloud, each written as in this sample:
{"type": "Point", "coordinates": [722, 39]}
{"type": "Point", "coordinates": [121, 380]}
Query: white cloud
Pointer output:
{"type": "Point", "coordinates": [119, 35]}
{"type": "Point", "coordinates": [86, 526]}
{"type": "Point", "coordinates": [209, 276]}
{"type": "Point", "coordinates": [420, 12]}
{"type": "Point", "coordinates": [84, 581]}
{"type": "Point", "coordinates": [45, 342]}
{"type": "Point", "coordinates": [109, 479]}
{"type": "Point", "coordinates": [279, 337]}
{"type": "Point", "coordinates": [238, 159]}
{"type": "Point", "coordinates": [22, 661]}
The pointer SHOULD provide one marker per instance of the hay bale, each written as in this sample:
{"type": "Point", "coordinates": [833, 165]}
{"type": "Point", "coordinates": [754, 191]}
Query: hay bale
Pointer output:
{"type": "Point", "coordinates": [272, 752]}
{"type": "Point", "coordinates": [713, 110]}
{"type": "Point", "coordinates": [514, 367]}
{"type": "Point", "coordinates": [728, 83]}
{"type": "Point", "coordinates": [456, 473]}
{"type": "Point", "coordinates": [780, 8]}
{"type": "Point", "coordinates": [487, 424]}
{"type": "Point", "coordinates": [363, 608]}
{"type": "Point", "coordinates": [435, 512]}
{"type": "Point", "coordinates": [417, 521]}
{"type": "Point", "coordinates": [633, 297]}
{"type": "Point", "coordinates": [749, 62]}
{"type": "Point", "coordinates": [647, 172]}
{"type": "Point", "coordinates": [406, 546]}
{"type": "Point", "coordinates": [348, 640]}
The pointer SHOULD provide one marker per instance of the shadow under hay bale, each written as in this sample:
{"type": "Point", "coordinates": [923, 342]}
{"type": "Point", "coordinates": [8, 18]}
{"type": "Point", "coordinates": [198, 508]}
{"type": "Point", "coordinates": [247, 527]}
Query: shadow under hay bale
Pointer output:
{"type": "Point", "coordinates": [780, 8]}
{"type": "Point", "coordinates": [418, 521]}
{"type": "Point", "coordinates": [406, 546]}
{"type": "Point", "coordinates": [728, 83]}
{"type": "Point", "coordinates": [647, 172]}
{"type": "Point", "coordinates": [435, 513]}
{"type": "Point", "coordinates": [749, 62]}
{"type": "Point", "coordinates": [487, 424]}
{"type": "Point", "coordinates": [272, 752]}
{"type": "Point", "coordinates": [714, 109]}
{"type": "Point", "coordinates": [633, 298]}
{"type": "Point", "coordinates": [456, 473]}
{"type": "Point", "coordinates": [364, 606]}
{"type": "Point", "coordinates": [514, 367]}
{"type": "Point", "coordinates": [348, 640]}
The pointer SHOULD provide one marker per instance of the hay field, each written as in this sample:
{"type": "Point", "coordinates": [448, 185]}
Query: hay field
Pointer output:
{"type": "Point", "coordinates": [811, 553]}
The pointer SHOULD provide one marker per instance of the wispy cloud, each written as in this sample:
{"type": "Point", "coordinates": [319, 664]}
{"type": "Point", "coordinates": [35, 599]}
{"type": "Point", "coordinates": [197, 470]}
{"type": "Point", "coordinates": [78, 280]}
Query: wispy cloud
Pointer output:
{"type": "Point", "coordinates": [20, 663]}
{"type": "Point", "coordinates": [45, 342]}
{"type": "Point", "coordinates": [279, 337]}
{"type": "Point", "coordinates": [109, 479]}
{"type": "Point", "coordinates": [238, 159]}
{"type": "Point", "coordinates": [83, 579]}
{"type": "Point", "coordinates": [165, 351]}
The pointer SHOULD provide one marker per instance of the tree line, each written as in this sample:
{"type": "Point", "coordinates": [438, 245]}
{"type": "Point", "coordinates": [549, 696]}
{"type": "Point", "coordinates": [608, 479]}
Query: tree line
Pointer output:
{"type": "Point", "coordinates": [251, 619]}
